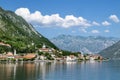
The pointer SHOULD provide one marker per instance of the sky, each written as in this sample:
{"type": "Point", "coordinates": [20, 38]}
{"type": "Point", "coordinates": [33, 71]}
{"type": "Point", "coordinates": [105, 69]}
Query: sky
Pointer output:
{"type": "Point", "coordinates": [70, 17]}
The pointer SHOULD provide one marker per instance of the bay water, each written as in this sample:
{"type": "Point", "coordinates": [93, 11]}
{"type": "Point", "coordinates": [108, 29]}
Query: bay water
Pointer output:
{"type": "Point", "coordinates": [89, 70]}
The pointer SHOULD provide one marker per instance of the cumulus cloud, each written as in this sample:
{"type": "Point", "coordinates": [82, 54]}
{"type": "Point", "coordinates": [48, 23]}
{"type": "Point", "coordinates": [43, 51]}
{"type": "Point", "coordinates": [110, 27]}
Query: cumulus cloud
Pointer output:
{"type": "Point", "coordinates": [114, 18]}
{"type": "Point", "coordinates": [95, 31]}
{"type": "Point", "coordinates": [106, 31]}
{"type": "Point", "coordinates": [83, 30]}
{"type": "Point", "coordinates": [52, 20]}
{"type": "Point", "coordinates": [106, 23]}
{"type": "Point", "coordinates": [95, 23]}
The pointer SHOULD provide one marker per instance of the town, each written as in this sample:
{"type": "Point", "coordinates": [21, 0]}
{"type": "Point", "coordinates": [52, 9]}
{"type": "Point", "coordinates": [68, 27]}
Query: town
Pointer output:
{"type": "Point", "coordinates": [47, 54]}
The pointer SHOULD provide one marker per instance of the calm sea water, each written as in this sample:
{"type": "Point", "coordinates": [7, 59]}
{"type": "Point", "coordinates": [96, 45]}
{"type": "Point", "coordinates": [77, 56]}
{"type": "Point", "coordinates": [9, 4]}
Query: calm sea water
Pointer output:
{"type": "Point", "coordinates": [109, 70]}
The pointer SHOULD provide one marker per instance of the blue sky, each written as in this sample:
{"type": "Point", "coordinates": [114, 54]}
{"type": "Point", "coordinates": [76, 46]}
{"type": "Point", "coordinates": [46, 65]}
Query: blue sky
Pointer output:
{"type": "Point", "coordinates": [70, 17]}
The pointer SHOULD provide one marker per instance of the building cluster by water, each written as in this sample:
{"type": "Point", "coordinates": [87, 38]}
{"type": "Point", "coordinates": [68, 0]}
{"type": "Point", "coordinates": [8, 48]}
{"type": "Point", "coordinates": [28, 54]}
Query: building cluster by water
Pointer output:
{"type": "Point", "coordinates": [48, 54]}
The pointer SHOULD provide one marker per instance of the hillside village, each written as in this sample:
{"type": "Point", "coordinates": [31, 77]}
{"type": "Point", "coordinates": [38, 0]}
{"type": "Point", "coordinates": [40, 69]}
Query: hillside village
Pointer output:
{"type": "Point", "coordinates": [46, 54]}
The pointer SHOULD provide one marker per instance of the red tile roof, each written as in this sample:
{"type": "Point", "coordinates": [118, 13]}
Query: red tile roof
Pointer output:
{"type": "Point", "coordinates": [30, 56]}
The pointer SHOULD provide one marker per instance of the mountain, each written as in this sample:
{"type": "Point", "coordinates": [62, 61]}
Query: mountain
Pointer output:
{"type": "Point", "coordinates": [90, 44]}
{"type": "Point", "coordinates": [14, 30]}
{"type": "Point", "coordinates": [112, 52]}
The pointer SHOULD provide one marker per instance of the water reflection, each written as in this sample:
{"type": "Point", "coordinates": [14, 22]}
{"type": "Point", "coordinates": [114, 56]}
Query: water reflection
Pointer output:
{"type": "Point", "coordinates": [60, 71]}
{"type": "Point", "coordinates": [22, 71]}
{"type": "Point", "coordinates": [42, 70]}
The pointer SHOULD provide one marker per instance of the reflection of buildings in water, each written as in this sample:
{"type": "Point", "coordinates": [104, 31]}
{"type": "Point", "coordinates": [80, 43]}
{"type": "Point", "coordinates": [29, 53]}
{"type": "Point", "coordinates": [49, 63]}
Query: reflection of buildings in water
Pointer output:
{"type": "Point", "coordinates": [52, 66]}
{"type": "Point", "coordinates": [44, 69]}
{"type": "Point", "coordinates": [26, 70]}
{"type": "Point", "coordinates": [14, 71]}
{"type": "Point", "coordinates": [29, 70]}
{"type": "Point", "coordinates": [70, 65]}
{"type": "Point", "coordinates": [8, 71]}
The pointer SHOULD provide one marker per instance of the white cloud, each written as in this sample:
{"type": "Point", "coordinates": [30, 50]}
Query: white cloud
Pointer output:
{"type": "Point", "coordinates": [114, 18]}
{"type": "Point", "coordinates": [53, 20]}
{"type": "Point", "coordinates": [106, 31]}
{"type": "Point", "coordinates": [95, 23]}
{"type": "Point", "coordinates": [106, 23]}
{"type": "Point", "coordinates": [95, 31]}
{"type": "Point", "coordinates": [84, 30]}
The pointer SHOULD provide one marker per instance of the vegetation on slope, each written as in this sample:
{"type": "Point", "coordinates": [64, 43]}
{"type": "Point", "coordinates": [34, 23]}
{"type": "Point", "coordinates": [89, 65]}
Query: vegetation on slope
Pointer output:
{"type": "Point", "coordinates": [14, 30]}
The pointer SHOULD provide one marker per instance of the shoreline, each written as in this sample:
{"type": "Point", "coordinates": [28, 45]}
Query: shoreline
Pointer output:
{"type": "Point", "coordinates": [46, 61]}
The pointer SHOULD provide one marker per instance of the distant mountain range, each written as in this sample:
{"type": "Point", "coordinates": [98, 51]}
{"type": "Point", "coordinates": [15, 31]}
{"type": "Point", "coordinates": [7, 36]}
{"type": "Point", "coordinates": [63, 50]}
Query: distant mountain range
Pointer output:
{"type": "Point", "coordinates": [14, 30]}
{"type": "Point", "coordinates": [90, 44]}
{"type": "Point", "coordinates": [112, 52]}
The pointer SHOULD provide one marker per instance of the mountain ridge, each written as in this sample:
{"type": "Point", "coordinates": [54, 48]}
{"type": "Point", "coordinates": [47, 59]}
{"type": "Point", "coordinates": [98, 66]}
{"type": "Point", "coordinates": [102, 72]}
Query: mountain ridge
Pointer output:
{"type": "Point", "coordinates": [14, 30]}
{"type": "Point", "coordinates": [112, 52]}
{"type": "Point", "coordinates": [89, 44]}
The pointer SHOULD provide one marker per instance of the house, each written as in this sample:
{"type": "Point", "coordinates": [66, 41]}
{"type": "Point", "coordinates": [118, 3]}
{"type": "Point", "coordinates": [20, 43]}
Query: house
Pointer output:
{"type": "Point", "coordinates": [2, 56]}
{"type": "Point", "coordinates": [87, 57]}
{"type": "Point", "coordinates": [53, 56]}
{"type": "Point", "coordinates": [96, 57]}
{"type": "Point", "coordinates": [59, 59]}
{"type": "Point", "coordinates": [42, 57]}
{"type": "Point", "coordinates": [44, 49]}
{"type": "Point", "coordinates": [71, 58]}
{"type": "Point", "coordinates": [29, 56]}
{"type": "Point", "coordinates": [3, 44]}
{"type": "Point", "coordinates": [10, 55]}
{"type": "Point", "coordinates": [18, 57]}
{"type": "Point", "coordinates": [81, 56]}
